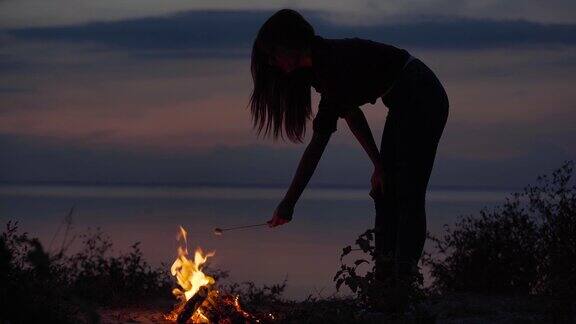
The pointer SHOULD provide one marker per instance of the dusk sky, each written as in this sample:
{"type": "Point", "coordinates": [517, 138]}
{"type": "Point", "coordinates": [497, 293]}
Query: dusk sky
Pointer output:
{"type": "Point", "coordinates": [157, 91]}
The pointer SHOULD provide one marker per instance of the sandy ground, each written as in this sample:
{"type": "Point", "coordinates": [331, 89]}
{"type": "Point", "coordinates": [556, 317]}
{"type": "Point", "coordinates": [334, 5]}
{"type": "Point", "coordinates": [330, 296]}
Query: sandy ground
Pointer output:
{"type": "Point", "coordinates": [152, 312]}
{"type": "Point", "coordinates": [132, 315]}
{"type": "Point", "coordinates": [454, 309]}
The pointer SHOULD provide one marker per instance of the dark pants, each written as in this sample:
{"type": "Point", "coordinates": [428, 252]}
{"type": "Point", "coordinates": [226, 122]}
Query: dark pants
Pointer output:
{"type": "Point", "coordinates": [418, 110]}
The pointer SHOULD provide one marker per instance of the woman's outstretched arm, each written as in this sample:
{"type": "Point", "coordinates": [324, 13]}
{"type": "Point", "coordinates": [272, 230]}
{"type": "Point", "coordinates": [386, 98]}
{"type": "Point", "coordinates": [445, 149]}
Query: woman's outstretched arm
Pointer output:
{"type": "Point", "coordinates": [304, 172]}
{"type": "Point", "coordinates": [361, 130]}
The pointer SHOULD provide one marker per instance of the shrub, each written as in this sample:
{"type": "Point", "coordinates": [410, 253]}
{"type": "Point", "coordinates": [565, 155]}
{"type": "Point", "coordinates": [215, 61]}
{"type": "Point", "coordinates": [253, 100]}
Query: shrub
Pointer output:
{"type": "Point", "coordinates": [392, 295]}
{"type": "Point", "coordinates": [36, 286]}
{"type": "Point", "coordinates": [525, 246]}
{"type": "Point", "coordinates": [98, 276]}
{"type": "Point", "coordinates": [32, 288]}
{"type": "Point", "coordinates": [493, 253]}
{"type": "Point", "coordinates": [553, 203]}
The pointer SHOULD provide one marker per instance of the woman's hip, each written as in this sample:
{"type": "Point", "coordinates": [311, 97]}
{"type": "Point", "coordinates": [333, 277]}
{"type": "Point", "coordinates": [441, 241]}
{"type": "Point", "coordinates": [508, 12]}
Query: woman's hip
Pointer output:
{"type": "Point", "coordinates": [417, 89]}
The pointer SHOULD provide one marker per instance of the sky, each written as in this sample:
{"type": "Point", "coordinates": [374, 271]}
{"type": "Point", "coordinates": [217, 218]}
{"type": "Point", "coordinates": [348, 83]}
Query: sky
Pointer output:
{"type": "Point", "coordinates": [157, 91]}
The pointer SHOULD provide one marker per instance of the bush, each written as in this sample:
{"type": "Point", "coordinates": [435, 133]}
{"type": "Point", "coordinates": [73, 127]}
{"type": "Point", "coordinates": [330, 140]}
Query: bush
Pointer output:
{"type": "Point", "coordinates": [114, 280]}
{"type": "Point", "coordinates": [553, 203]}
{"type": "Point", "coordinates": [525, 246]}
{"type": "Point", "coordinates": [494, 253]}
{"type": "Point", "coordinates": [36, 286]}
{"type": "Point", "coordinates": [32, 287]}
{"type": "Point", "coordinates": [392, 295]}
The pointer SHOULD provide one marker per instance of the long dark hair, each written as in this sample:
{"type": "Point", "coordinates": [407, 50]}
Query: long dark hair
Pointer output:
{"type": "Point", "coordinates": [278, 100]}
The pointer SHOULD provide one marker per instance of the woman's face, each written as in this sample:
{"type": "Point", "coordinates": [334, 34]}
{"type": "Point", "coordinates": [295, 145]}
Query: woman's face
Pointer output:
{"type": "Point", "coordinates": [286, 60]}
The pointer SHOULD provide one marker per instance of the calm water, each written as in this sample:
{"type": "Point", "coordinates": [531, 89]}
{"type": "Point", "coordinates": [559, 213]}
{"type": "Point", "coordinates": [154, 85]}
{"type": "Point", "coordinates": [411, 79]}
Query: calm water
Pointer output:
{"type": "Point", "coordinates": [306, 251]}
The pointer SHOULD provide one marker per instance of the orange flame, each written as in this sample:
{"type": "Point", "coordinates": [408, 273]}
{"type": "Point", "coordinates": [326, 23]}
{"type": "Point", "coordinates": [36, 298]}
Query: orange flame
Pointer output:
{"type": "Point", "coordinates": [189, 273]}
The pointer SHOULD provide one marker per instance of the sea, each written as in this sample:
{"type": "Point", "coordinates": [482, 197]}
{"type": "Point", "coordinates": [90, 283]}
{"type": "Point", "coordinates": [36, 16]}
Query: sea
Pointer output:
{"type": "Point", "coordinates": [305, 252]}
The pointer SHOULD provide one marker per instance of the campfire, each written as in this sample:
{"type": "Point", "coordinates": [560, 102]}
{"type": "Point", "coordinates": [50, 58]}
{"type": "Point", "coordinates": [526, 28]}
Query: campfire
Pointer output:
{"type": "Point", "coordinates": [199, 300]}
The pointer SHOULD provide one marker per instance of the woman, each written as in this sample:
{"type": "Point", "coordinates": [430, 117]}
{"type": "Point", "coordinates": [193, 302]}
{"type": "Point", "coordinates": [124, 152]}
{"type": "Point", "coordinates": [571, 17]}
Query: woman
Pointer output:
{"type": "Point", "coordinates": [288, 58]}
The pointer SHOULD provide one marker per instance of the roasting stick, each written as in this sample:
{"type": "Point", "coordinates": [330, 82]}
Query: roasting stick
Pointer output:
{"type": "Point", "coordinates": [219, 231]}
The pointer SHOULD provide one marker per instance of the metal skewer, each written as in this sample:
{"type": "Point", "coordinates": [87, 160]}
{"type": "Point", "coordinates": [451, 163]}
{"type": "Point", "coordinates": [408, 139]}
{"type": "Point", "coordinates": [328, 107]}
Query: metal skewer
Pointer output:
{"type": "Point", "coordinates": [219, 231]}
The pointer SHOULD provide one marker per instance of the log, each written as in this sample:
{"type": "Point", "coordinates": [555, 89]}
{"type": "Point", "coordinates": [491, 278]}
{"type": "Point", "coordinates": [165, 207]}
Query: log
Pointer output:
{"type": "Point", "coordinates": [210, 306]}
{"type": "Point", "coordinates": [192, 304]}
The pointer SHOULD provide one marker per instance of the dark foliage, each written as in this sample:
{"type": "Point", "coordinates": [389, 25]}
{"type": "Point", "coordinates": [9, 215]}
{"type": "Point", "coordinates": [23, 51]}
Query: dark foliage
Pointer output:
{"type": "Point", "coordinates": [258, 301]}
{"type": "Point", "coordinates": [525, 246]}
{"type": "Point", "coordinates": [32, 288]}
{"type": "Point", "coordinates": [392, 294]}
{"type": "Point", "coordinates": [37, 286]}
{"type": "Point", "coordinates": [114, 280]}
{"type": "Point", "coordinates": [492, 253]}
{"type": "Point", "coordinates": [255, 298]}
{"type": "Point", "coordinates": [267, 299]}
{"type": "Point", "coordinates": [323, 310]}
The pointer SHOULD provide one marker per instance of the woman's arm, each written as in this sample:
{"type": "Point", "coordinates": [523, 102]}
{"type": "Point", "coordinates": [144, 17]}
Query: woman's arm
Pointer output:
{"type": "Point", "coordinates": [304, 172]}
{"type": "Point", "coordinates": [306, 167]}
{"type": "Point", "coordinates": [361, 130]}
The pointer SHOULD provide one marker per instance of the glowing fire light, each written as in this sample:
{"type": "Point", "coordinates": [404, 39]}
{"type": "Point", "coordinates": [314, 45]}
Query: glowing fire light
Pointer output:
{"type": "Point", "coordinates": [189, 275]}
{"type": "Point", "coordinates": [191, 279]}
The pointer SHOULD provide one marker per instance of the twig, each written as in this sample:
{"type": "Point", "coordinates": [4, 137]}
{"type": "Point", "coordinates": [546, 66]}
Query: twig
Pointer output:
{"type": "Point", "coordinates": [68, 220]}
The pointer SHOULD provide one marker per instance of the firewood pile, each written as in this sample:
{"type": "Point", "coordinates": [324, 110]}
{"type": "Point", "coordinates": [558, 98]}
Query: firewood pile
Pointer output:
{"type": "Point", "coordinates": [208, 305]}
{"type": "Point", "coordinates": [199, 299]}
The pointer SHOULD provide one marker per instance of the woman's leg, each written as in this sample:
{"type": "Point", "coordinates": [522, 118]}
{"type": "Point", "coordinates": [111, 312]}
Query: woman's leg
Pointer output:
{"type": "Point", "coordinates": [400, 211]}
{"type": "Point", "coordinates": [386, 221]}
{"type": "Point", "coordinates": [420, 123]}
{"type": "Point", "coordinates": [417, 159]}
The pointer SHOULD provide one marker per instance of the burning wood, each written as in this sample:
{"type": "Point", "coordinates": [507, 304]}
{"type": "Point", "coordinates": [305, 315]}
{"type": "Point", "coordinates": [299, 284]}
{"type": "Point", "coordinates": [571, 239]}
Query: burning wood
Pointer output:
{"type": "Point", "coordinates": [199, 300]}
{"type": "Point", "coordinates": [192, 305]}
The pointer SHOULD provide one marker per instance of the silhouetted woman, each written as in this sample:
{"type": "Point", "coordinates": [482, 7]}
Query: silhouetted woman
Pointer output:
{"type": "Point", "coordinates": [288, 58]}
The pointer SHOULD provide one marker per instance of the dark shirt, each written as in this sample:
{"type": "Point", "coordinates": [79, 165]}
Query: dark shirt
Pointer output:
{"type": "Point", "coordinates": [351, 72]}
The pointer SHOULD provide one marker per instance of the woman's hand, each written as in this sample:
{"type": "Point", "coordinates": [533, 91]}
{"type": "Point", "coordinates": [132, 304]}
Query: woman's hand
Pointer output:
{"type": "Point", "coordinates": [282, 214]}
{"type": "Point", "coordinates": [377, 180]}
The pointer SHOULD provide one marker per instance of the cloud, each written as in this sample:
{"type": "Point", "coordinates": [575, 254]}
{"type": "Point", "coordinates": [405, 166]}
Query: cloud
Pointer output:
{"type": "Point", "coordinates": [26, 13]}
{"type": "Point", "coordinates": [222, 33]}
